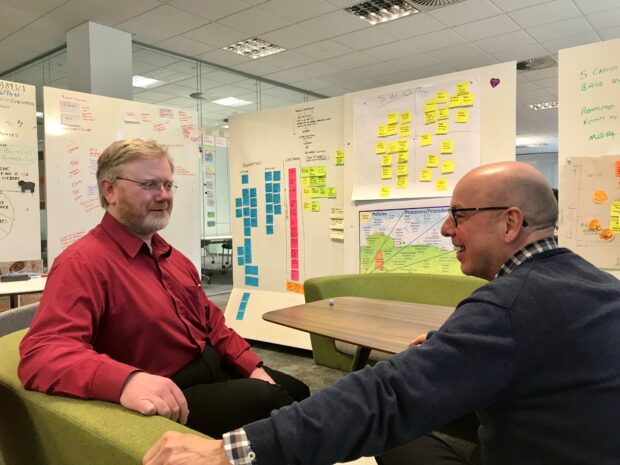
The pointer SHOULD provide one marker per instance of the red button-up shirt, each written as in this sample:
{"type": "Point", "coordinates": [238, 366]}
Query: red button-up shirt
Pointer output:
{"type": "Point", "coordinates": [111, 307]}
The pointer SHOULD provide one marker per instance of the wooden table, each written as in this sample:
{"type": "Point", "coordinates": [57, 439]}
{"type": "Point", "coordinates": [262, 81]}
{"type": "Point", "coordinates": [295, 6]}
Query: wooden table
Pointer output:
{"type": "Point", "coordinates": [384, 325]}
{"type": "Point", "coordinates": [14, 288]}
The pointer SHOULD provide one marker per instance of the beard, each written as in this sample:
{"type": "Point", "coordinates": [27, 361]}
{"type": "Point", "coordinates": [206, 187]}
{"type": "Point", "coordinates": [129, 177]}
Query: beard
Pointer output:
{"type": "Point", "coordinates": [145, 221]}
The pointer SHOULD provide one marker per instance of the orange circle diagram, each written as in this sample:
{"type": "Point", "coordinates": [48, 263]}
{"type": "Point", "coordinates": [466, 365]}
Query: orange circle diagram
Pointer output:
{"type": "Point", "coordinates": [599, 197]}
{"type": "Point", "coordinates": [606, 235]}
{"type": "Point", "coordinates": [595, 225]}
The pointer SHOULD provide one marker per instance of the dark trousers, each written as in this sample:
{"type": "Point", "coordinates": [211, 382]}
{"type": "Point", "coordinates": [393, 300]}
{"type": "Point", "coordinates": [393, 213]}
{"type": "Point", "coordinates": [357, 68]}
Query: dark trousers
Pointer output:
{"type": "Point", "coordinates": [220, 400]}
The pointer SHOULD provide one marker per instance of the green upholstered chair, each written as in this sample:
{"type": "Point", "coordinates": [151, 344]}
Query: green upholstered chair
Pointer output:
{"type": "Point", "coordinates": [406, 287]}
{"type": "Point", "coordinates": [40, 429]}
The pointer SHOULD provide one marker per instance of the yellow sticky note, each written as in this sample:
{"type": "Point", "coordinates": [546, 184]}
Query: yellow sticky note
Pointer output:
{"type": "Point", "coordinates": [380, 147]}
{"type": "Point", "coordinates": [392, 118]}
{"type": "Point", "coordinates": [441, 184]}
{"type": "Point", "coordinates": [339, 157]}
{"type": "Point", "coordinates": [305, 182]}
{"type": "Point", "coordinates": [307, 206]}
{"type": "Point", "coordinates": [392, 129]}
{"type": "Point", "coordinates": [340, 161]}
{"type": "Point", "coordinates": [447, 166]}
{"type": "Point", "coordinates": [316, 206]}
{"type": "Point", "coordinates": [331, 192]}
{"type": "Point", "coordinates": [405, 130]}
{"type": "Point", "coordinates": [430, 117]}
{"type": "Point", "coordinates": [392, 147]}
{"type": "Point", "coordinates": [386, 172]}
{"type": "Point", "coordinates": [385, 191]}
{"type": "Point", "coordinates": [386, 160]}
{"type": "Point", "coordinates": [447, 146]}
{"type": "Point", "coordinates": [443, 113]}
{"type": "Point", "coordinates": [441, 96]}
{"type": "Point", "coordinates": [320, 170]}
{"type": "Point", "coordinates": [307, 192]}
{"type": "Point", "coordinates": [382, 131]}
{"type": "Point", "coordinates": [467, 100]}
{"type": "Point", "coordinates": [462, 88]}
{"type": "Point", "coordinates": [402, 169]}
{"type": "Point", "coordinates": [403, 145]}
{"type": "Point", "coordinates": [405, 117]}
{"type": "Point", "coordinates": [614, 222]}
{"type": "Point", "coordinates": [403, 157]}
{"type": "Point", "coordinates": [442, 127]}
{"type": "Point", "coordinates": [429, 105]}
{"type": "Point", "coordinates": [402, 181]}
{"type": "Point", "coordinates": [305, 171]}
{"type": "Point", "coordinates": [426, 175]}
{"type": "Point", "coordinates": [461, 116]}
{"type": "Point", "coordinates": [432, 161]}
{"type": "Point", "coordinates": [455, 101]}
{"type": "Point", "coordinates": [426, 139]}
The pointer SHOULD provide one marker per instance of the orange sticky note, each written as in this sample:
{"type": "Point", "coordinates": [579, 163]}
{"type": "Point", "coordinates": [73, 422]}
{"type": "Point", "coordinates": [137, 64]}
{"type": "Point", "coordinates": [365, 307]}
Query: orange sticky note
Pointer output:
{"type": "Point", "coordinates": [618, 168]}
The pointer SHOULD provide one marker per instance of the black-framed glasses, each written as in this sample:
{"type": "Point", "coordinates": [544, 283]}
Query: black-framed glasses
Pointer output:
{"type": "Point", "coordinates": [153, 185]}
{"type": "Point", "coordinates": [453, 211]}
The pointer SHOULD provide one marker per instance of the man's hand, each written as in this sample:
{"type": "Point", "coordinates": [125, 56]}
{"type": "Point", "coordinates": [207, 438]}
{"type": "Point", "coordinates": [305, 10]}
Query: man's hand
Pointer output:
{"type": "Point", "coordinates": [185, 449]}
{"type": "Point", "coordinates": [154, 395]}
{"type": "Point", "coordinates": [421, 339]}
{"type": "Point", "coordinates": [260, 373]}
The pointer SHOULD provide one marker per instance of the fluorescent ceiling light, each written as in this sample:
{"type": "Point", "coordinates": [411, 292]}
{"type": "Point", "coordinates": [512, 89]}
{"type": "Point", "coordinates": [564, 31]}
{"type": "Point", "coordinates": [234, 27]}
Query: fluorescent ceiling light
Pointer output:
{"type": "Point", "coordinates": [145, 82]}
{"type": "Point", "coordinates": [543, 105]}
{"type": "Point", "coordinates": [382, 11]}
{"type": "Point", "coordinates": [231, 102]}
{"type": "Point", "coordinates": [254, 48]}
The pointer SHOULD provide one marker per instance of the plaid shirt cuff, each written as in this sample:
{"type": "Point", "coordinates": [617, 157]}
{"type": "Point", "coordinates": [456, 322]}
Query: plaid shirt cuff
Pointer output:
{"type": "Point", "coordinates": [238, 448]}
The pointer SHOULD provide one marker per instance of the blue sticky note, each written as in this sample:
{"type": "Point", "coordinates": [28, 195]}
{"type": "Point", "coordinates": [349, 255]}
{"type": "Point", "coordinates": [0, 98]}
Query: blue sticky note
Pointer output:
{"type": "Point", "coordinates": [268, 175]}
{"type": "Point", "coordinates": [239, 250]}
{"type": "Point", "coordinates": [251, 281]}
{"type": "Point", "coordinates": [251, 269]}
{"type": "Point", "coordinates": [276, 187]}
{"type": "Point", "coordinates": [253, 202]}
{"type": "Point", "coordinates": [269, 219]}
{"type": "Point", "coordinates": [254, 213]}
{"type": "Point", "coordinates": [245, 297]}
{"type": "Point", "coordinates": [245, 179]}
{"type": "Point", "coordinates": [269, 229]}
{"type": "Point", "coordinates": [246, 211]}
{"type": "Point", "coordinates": [269, 208]}
{"type": "Point", "coordinates": [240, 260]}
{"type": "Point", "coordinates": [254, 222]}
{"type": "Point", "coordinates": [268, 198]}
{"type": "Point", "coordinates": [246, 197]}
{"type": "Point", "coordinates": [276, 198]}
{"type": "Point", "coordinates": [247, 232]}
{"type": "Point", "coordinates": [246, 222]}
{"type": "Point", "coordinates": [247, 244]}
{"type": "Point", "coordinates": [253, 192]}
{"type": "Point", "coordinates": [238, 202]}
{"type": "Point", "coordinates": [277, 209]}
{"type": "Point", "coordinates": [268, 187]}
{"type": "Point", "coordinates": [238, 213]}
{"type": "Point", "coordinates": [276, 175]}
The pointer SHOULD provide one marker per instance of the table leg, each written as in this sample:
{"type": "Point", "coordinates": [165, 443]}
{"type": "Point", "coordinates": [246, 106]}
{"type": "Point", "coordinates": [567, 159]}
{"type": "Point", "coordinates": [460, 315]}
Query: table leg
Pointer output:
{"type": "Point", "coordinates": [360, 359]}
{"type": "Point", "coordinates": [14, 301]}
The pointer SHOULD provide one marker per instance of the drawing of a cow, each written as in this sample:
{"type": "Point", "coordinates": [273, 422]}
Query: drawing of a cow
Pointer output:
{"type": "Point", "coordinates": [26, 186]}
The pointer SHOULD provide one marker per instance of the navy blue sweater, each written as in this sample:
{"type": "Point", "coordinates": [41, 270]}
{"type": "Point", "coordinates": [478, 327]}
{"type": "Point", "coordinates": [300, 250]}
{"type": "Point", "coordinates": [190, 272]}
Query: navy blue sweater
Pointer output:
{"type": "Point", "coordinates": [536, 353]}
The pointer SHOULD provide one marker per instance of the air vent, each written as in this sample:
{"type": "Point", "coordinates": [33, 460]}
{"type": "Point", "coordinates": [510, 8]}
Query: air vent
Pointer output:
{"type": "Point", "coordinates": [534, 64]}
{"type": "Point", "coordinates": [197, 95]}
{"type": "Point", "coordinates": [434, 3]}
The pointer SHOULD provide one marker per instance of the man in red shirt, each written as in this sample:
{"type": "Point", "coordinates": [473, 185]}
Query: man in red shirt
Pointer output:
{"type": "Point", "coordinates": [124, 317]}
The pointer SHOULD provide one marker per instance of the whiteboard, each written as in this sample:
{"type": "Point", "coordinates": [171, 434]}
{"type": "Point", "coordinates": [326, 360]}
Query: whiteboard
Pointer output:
{"type": "Point", "coordinates": [589, 127]}
{"type": "Point", "coordinates": [78, 127]}
{"type": "Point", "coordinates": [20, 231]}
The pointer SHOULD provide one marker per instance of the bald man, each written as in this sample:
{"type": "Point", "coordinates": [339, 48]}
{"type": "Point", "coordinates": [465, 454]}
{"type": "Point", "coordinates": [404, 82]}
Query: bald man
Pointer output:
{"type": "Point", "coordinates": [534, 352]}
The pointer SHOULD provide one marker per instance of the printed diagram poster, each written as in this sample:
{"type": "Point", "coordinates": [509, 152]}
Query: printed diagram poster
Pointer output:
{"type": "Point", "coordinates": [415, 142]}
{"type": "Point", "coordinates": [20, 234]}
{"type": "Point", "coordinates": [589, 220]}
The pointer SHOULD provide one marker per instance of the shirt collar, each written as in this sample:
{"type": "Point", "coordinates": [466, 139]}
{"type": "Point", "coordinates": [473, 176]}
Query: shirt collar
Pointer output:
{"type": "Point", "coordinates": [131, 243]}
{"type": "Point", "coordinates": [527, 252]}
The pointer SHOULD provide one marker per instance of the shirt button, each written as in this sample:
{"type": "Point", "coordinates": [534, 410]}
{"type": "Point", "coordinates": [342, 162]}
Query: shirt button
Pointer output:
{"type": "Point", "coordinates": [251, 456]}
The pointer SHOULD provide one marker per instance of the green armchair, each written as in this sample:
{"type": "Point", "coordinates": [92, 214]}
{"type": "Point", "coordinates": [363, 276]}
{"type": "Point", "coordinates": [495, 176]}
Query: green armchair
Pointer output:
{"type": "Point", "coordinates": [406, 287]}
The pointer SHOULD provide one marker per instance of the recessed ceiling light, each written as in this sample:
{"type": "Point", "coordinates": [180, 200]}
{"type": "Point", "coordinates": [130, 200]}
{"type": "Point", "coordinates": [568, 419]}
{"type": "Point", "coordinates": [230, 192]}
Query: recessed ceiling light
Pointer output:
{"type": "Point", "coordinates": [231, 102]}
{"type": "Point", "coordinates": [254, 48]}
{"type": "Point", "coordinates": [543, 105]}
{"type": "Point", "coordinates": [145, 82]}
{"type": "Point", "coordinates": [382, 11]}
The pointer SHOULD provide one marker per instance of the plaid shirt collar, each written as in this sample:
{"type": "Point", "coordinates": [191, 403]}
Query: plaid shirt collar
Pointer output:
{"type": "Point", "coordinates": [526, 253]}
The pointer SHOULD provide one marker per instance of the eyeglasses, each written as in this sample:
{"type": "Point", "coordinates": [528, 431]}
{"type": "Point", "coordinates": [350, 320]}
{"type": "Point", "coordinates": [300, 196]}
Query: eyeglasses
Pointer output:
{"type": "Point", "coordinates": [453, 211]}
{"type": "Point", "coordinates": [153, 185]}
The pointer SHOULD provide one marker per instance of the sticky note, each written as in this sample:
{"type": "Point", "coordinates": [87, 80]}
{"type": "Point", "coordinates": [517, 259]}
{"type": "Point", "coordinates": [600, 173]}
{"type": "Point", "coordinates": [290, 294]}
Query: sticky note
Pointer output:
{"type": "Point", "coordinates": [307, 192]}
{"type": "Point", "coordinates": [461, 116]}
{"type": "Point", "coordinates": [269, 229]}
{"type": "Point", "coordinates": [339, 156]}
{"type": "Point", "coordinates": [402, 182]}
{"type": "Point", "coordinates": [441, 96]}
{"type": "Point", "coordinates": [443, 113]}
{"type": "Point", "coordinates": [442, 127]}
{"type": "Point", "coordinates": [380, 147]}
{"type": "Point", "coordinates": [618, 168]}
{"type": "Point", "coordinates": [403, 145]}
{"type": "Point", "coordinates": [331, 192]}
{"type": "Point", "coordinates": [392, 130]}
{"type": "Point", "coordinates": [238, 213]}
{"type": "Point", "coordinates": [447, 146]}
{"type": "Point", "coordinates": [244, 179]}
{"type": "Point", "coordinates": [320, 170]}
{"type": "Point", "coordinates": [386, 160]}
{"type": "Point", "coordinates": [441, 184]}
{"type": "Point", "coordinates": [467, 100]}
{"type": "Point", "coordinates": [402, 169]}
{"type": "Point", "coordinates": [432, 161]}
{"type": "Point", "coordinates": [392, 147]}
{"type": "Point", "coordinates": [251, 269]}
{"type": "Point", "coordinates": [307, 206]}
{"type": "Point", "coordinates": [426, 175]}
{"type": "Point", "coordinates": [429, 106]}
{"type": "Point", "coordinates": [447, 166]}
{"type": "Point", "coordinates": [306, 182]}
{"type": "Point", "coordinates": [381, 131]}
{"type": "Point", "coordinates": [403, 157]}
{"type": "Point", "coordinates": [386, 172]}
{"type": "Point", "coordinates": [384, 191]}
{"type": "Point", "coordinates": [430, 117]}
{"type": "Point", "coordinates": [316, 206]}
{"type": "Point", "coordinates": [276, 175]}
{"type": "Point", "coordinates": [268, 175]}
{"type": "Point", "coordinates": [392, 118]}
{"type": "Point", "coordinates": [455, 101]}
{"type": "Point", "coordinates": [462, 88]}
{"type": "Point", "coordinates": [340, 160]}
{"type": "Point", "coordinates": [426, 139]}
{"type": "Point", "coordinates": [305, 172]}
{"type": "Point", "coordinates": [405, 130]}
{"type": "Point", "coordinates": [405, 117]}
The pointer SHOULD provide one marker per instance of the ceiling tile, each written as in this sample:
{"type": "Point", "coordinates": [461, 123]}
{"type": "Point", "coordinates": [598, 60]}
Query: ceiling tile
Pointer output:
{"type": "Point", "coordinates": [287, 59]}
{"type": "Point", "coordinates": [511, 5]}
{"type": "Point", "coordinates": [129, 9]}
{"type": "Point", "coordinates": [45, 27]}
{"type": "Point", "coordinates": [286, 77]}
{"type": "Point", "coordinates": [464, 12]}
{"type": "Point", "coordinates": [171, 19]}
{"type": "Point", "coordinates": [539, 74]}
{"type": "Point", "coordinates": [475, 61]}
{"type": "Point", "coordinates": [223, 58]}
{"type": "Point", "coordinates": [392, 51]}
{"type": "Point", "coordinates": [414, 61]}
{"type": "Point", "coordinates": [214, 10]}
{"type": "Point", "coordinates": [332, 91]}
{"type": "Point", "coordinates": [505, 41]}
{"type": "Point", "coordinates": [545, 13]}
{"type": "Point", "coordinates": [291, 37]}
{"type": "Point", "coordinates": [314, 70]}
{"type": "Point", "coordinates": [610, 33]}
{"type": "Point", "coordinates": [605, 19]}
{"type": "Point", "coordinates": [488, 27]}
{"type": "Point", "coordinates": [144, 33]}
{"type": "Point", "coordinates": [312, 84]}
{"type": "Point", "coordinates": [366, 38]}
{"type": "Point", "coordinates": [75, 12]}
{"type": "Point", "coordinates": [30, 41]}
{"type": "Point", "coordinates": [35, 7]}
{"type": "Point", "coordinates": [366, 84]}
{"type": "Point", "coordinates": [456, 52]}
{"type": "Point", "coordinates": [152, 57]}
{"type": "Point", "coordinates": [324, 50]}
{"type": "Point", "coordinates": [435, 40]}
{"type": "Point", "coordinates": [411, 26]}
{"type": "Point", "coordinates": [335, 23]}
{"type": "Point", "coordinates": [559, 29]}
{"type": "Point", "coordinates": [297, 10]}
{"type": "Point", "coordinates": [373, 71]}
{"type": "Point", "coordinates": [434, 70]}
{"type": "Point", "coordinates": [185, 46]}
{"type": "Point", "coordinates": [351, 60]}
{"type": "Point", "coordinates": [217, 35]}
{"type": "Point", "coordinates": [592, 6]}
{"type": "Point", "coordinates": [571, 41]}
{"type": "Point", "coordinates": [521, 53]}
{"type": "Point", "coordinates": [253, 21]}
{"type": "Point", "coordinates": [343, 3]}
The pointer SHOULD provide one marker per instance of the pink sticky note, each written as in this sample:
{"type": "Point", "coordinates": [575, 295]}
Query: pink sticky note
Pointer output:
{"type": "Point", "coordinates": [294, 243]}
{"type": "Point", "coordinates": [295, 275]}
{"type": "Point", "coordinates": [295, 253]}
{"type": "Point", "coordinates": [295, 263]}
